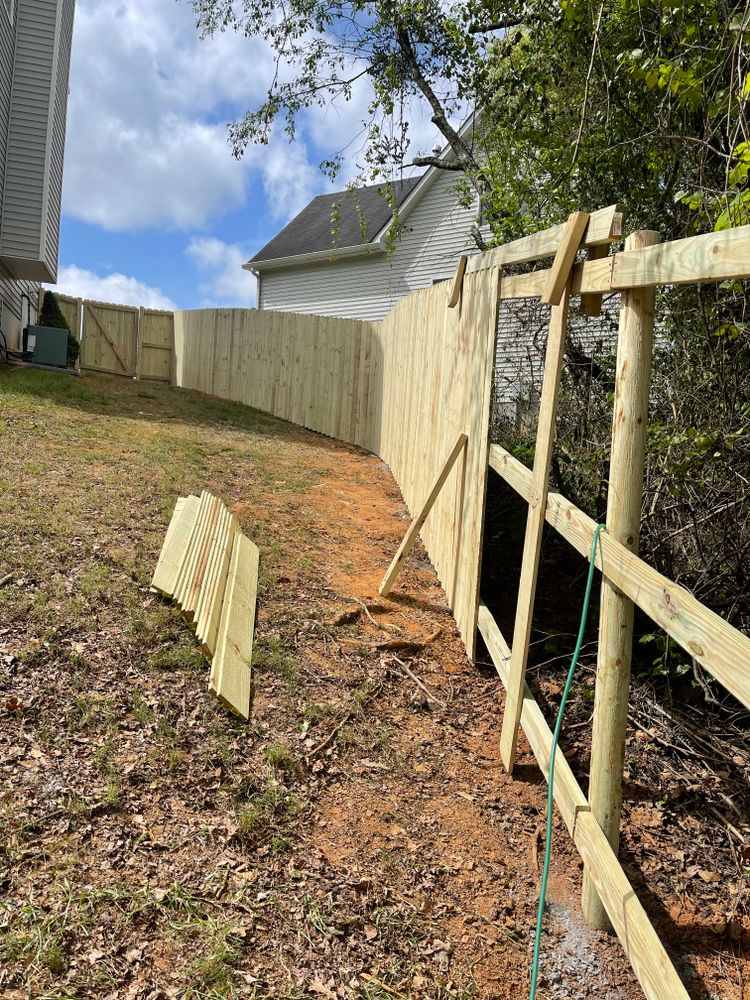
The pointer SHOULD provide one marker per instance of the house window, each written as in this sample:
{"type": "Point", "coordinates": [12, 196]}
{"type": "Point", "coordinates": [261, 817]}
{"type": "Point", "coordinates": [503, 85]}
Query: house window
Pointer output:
{"type": "Point", "coordinates": [9, 4]}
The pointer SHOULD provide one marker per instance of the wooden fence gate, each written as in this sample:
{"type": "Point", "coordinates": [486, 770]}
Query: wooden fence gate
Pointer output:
{"type": "Point", "coordinates": [122, 340]}
{"type": "Point", "coordinates": [109, 339]}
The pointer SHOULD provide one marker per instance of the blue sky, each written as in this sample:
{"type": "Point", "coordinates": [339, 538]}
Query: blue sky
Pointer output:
{"type": "Point", "coordinates": [156, 211]}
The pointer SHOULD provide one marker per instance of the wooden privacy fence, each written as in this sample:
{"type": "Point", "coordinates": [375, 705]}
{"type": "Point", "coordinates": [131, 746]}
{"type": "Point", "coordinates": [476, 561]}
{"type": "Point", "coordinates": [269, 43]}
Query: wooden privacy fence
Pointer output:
{"type": "Point", "coordinates": [404, 389]}
{"type": "Point", "coordinates": [122, 340]}
{"type": "Point", "coordinates": [416, 389]}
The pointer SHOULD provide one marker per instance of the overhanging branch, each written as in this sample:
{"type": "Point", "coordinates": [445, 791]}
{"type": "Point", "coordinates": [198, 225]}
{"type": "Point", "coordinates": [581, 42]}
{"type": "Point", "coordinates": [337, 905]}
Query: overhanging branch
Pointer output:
{"type": "Point", "coordinates": [510, 22]}
{"type": "Point", "coordinates": [435, 161]}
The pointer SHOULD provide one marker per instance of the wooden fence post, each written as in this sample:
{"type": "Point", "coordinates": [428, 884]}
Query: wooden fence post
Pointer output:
{"type": "Point", "coordinates": [173, 356]}
{"type": "Point", "coordinates": [139, 342]}
{"type": "Point", "coordinates": [79, 319]}
{"type": "Point", "coordinates": [629, 430]}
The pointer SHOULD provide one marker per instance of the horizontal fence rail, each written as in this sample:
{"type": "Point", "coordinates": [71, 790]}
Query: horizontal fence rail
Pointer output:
{"type": "Point", "coordinates": [640, 941]}
{"type": "Point", "coordinates": [719, 647]}
{"type": "Point", "coordinates": [627, 580]}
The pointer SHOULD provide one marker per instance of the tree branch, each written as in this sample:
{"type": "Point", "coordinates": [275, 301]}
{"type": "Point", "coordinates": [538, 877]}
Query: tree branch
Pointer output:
{"type": "Point", "coordinates": [435, 161]}
{"type": "Point", "coordinates": [476, 235]}
{"type": "Point", "coordinates": [463, 153]}
{"type": "Point", "coordinates": [509, 22]}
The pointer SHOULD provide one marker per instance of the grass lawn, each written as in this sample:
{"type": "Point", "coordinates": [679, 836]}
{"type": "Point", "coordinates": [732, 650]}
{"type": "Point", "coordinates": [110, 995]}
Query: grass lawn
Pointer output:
{"type": "Point", "coordinates": [358, 839]}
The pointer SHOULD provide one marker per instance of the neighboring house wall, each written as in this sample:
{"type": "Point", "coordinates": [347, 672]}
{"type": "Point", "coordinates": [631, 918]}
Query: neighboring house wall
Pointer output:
{"type": "Point", "coordinates": [437, 231]}
{"type": "Point", "coordinates": [522, 330]}
{"type": "Point", "coordinates": [34, 68]}
{"type": "Point", "coordinates": [10, 290]}
{"type": "Point", "coordinates": [6, 82]}
{"type": "Point", "coordinates": [36, 138]}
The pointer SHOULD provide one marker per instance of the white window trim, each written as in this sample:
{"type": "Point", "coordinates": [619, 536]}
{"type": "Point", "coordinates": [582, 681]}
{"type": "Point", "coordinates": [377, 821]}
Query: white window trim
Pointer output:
{"type": "Point", "coordinates": [10, 8]}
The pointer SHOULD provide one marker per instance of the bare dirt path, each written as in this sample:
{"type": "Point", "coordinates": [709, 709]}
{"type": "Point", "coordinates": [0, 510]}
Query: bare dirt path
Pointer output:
{"type": "Point", "coordinates": [358, 839]}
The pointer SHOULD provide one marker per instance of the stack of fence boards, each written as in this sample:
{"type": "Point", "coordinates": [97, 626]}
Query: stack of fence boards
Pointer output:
{"type": "Point", "coordinates": [210, 569]}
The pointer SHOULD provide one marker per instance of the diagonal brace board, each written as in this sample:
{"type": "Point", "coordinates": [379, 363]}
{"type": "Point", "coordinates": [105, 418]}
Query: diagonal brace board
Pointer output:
{"type": "Point", "coordinates": [107, 337]}
{"type": "Point", "coordinates": [416, 525]}
{"type": "Point", "coordinates": [605, 226]}
{"type": "Point", "coordinates": [534, 527]}
{"type": "Point", "coordinates": [559, 274]}
{"type": "Point", "coordinates": [719, 647]}
{"type": "Point", "coordinates": [458, 282]}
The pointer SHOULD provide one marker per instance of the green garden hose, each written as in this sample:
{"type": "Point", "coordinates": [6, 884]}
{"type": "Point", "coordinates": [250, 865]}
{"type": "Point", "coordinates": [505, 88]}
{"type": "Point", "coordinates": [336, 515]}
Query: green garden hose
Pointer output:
{"type": "Point", "coordinates": [555, 738]}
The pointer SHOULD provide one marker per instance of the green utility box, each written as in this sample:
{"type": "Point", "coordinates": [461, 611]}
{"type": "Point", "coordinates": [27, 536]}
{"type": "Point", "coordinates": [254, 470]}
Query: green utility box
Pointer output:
{"type": "Point", "coordinates": [50, 345]}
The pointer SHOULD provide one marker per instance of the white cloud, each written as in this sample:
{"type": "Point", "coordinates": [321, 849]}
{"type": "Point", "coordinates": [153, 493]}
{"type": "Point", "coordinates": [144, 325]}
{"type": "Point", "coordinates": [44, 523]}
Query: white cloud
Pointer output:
{"type": "Point", "coordinates": [149, 104]}
{"type": "Point", "coordinates": [119, 288]}
{"type": "Point", "coordinates": [147, 126]}
{"type": "Point", "coordinates": [289, 180]}
{"type": "Point", "coordinates": [224, 281]}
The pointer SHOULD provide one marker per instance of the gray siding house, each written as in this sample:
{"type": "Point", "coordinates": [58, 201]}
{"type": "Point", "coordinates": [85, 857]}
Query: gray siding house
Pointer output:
{"type": "Point", "coordinates": [342, 268]}
{"type": "Point", "coordinates": [35, 44]}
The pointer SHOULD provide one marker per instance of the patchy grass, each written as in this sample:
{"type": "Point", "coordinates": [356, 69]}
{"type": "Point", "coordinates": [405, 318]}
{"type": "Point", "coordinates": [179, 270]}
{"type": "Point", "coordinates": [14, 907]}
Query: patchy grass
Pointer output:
{"type": "Point", "coordinates": [154, 845]}
{"type": "Point", "coordinates": [272, 655]}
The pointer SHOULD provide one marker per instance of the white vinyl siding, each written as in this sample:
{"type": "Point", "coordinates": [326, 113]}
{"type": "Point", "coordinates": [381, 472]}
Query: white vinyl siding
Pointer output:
{"type": "Point", "coordinates": [13, 310]}
{"type": "Point", "coordinates": [437, 231]}
{"type": "Point", "coordinates": [7, 39]}
{"type": "Point", "coordinates": [35, 138]}
{"type": "Point", "coordinates": [57, 144]}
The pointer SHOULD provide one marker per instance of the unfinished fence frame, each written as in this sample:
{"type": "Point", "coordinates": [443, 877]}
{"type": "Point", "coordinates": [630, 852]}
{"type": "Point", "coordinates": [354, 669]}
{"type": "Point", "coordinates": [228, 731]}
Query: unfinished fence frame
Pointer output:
{"type": "Point", "coordinates": [594, 822]}
{"type": "Point", "coordinates": [411, 388]}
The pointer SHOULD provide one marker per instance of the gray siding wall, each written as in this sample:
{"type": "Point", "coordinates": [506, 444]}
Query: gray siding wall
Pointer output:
{"type": "Point", "coordinates": [6, 79]}
{"type": "Point", "coordinates": [36, 137]}
{"type": "Point", "coordinates": [13, 310]}
{"type": "Point", "coordinates": [59, 121]}
{"type": "Point", "coordinates": [368, 287]}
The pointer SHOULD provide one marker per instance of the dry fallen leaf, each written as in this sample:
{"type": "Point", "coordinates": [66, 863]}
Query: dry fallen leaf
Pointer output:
{"type": "Point", "coordinates": [317, 987]}
{"type": "Point", "coordinates": [709, 876]}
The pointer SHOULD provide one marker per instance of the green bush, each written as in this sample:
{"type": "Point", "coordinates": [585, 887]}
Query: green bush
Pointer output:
{"type": "Point", "coordinates": [51, 315]}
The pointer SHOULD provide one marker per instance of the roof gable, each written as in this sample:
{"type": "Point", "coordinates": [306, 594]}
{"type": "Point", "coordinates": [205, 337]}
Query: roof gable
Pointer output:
{"type": "Point", "coordinates": [310, 231]}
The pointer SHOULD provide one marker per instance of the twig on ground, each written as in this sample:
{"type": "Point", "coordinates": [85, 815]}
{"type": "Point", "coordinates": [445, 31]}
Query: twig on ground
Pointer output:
{"type": "Point", "coordinates": [419, 683]}
{"type": "Point", "coordinates": [331, 736]}
{"type": "Point", "coordinates": [382, 986]}
{"type": "Point", "coordinates": [663, 743]}
{"type": "Point", "coordinates": [732, 829]}
{"type": "Point", "coordinates": [348, 715]}
{"type": "Point", "coordinates": [367, 612]}
{"type": "Point", "coordinates": [404, 645]}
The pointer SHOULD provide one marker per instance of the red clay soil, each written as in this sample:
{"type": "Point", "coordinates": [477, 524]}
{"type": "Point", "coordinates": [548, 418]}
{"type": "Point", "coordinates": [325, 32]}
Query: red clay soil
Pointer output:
{"type": "Point", "coordinates": [453, 810]}
{"type": "Point", "coordinates": [359, 839]}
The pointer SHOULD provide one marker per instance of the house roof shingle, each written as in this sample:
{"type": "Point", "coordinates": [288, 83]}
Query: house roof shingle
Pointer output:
{"type": "Point", "coordinates": [310, 231]}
